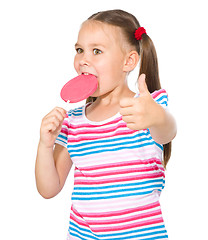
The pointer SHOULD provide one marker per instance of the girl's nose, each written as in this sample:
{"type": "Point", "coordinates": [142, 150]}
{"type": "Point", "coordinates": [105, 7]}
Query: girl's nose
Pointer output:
{"type": "Point", "coordinates": [84, 61]}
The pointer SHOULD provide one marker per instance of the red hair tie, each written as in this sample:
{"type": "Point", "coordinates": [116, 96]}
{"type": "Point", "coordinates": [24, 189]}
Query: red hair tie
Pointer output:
{"type": "Point", "coordinates": [138, 33]}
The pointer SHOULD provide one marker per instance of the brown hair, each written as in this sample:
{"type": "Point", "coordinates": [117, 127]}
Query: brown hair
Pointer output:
{"type": "Point", "coordinates": [145, 48]}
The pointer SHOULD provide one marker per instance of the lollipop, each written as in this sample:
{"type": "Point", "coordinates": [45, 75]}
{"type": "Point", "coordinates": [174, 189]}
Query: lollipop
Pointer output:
{"type": "Point", "coordinates": [79, 88]}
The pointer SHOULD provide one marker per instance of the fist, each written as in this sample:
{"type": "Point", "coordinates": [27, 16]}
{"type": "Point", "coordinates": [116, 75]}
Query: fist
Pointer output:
{"type": "Point", "coordinates": [51, 126]}
{"type": "Point", "coordinates": [142, 112]}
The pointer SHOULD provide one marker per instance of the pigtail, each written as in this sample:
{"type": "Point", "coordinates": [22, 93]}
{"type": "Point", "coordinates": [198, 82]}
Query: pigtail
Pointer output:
{"type": "Point", "coordinates": [149, 63]}
{"type": "Point", "coordinates": [149, 66]}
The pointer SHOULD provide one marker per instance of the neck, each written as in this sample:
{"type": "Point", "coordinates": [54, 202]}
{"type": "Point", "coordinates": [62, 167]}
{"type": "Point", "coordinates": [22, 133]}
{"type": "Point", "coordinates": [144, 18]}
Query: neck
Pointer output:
{"type": "Point", "coordinates": [113, 97]}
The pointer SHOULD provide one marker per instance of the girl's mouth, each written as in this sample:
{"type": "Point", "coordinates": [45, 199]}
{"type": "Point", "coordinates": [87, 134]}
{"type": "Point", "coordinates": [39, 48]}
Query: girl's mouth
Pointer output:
{"type": "Point", "coordinates": [86, 74]}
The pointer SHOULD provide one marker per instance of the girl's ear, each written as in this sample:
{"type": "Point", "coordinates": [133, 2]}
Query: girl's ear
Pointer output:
{"type": "Point", "coordinates": [131, 61]}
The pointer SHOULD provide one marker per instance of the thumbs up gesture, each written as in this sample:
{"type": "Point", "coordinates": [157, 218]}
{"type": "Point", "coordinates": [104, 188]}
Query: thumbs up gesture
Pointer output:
{"type": "Point", "coordinates": [142, 112]}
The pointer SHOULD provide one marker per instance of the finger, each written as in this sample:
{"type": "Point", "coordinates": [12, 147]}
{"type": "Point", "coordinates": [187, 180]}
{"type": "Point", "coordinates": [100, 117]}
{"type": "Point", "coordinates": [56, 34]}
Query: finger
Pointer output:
{"type": "Point", "coordinates": [128, 119]}
{"type": "Point", "coordinates": [52, 122]}
{"type": "Point", "coordinates": [131, 126]}
{"type": "Point", "coordinates": [60, 115]}
{"type": "Point", "coordinates": [53, 127]}
{"type": "Point", "coordinates": [143, 89]}
{"type": "Point", "coordinates": [57, 109]}
{"type": "Point", "coordinates": [62, 111]}
{"type": "Point", "coordinates": [126, 102]}
{"type": "Point", "coordinates": [126, 111]}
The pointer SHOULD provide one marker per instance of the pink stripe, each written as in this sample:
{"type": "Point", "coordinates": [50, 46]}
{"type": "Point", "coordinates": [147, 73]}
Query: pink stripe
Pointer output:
{"type": "Point", "coordinates": [117, 228]}
{"type": "Point", "coordinates": [103, 130]}
{"type": "Point", "coordinates": [64, 130]}
{"type": "Point", "coordinates": [124, 155]}
{"type": "Point", "coordinates": [161, 168]}
{"type": "Point", "coordinates": [78, 221]}
{"type": "Point", "coordinates": [123, 179]}
{"type": "Point", "coordinates": [116, 172]}
{"type": "Point", "coordinates": [66, 123]}
{"type": "Point", "coordinates": [75, 126]}
{"type": "Point", "coordinates": [89, 138]}
{"type": "Point", "coordinates": [117, 213]}
{"type": "Point", "coordinates": [126, 219]}
{"type": "Point", "coordinates": [121, 164]}
{"type": "Point", "coordinates": [128, 226]}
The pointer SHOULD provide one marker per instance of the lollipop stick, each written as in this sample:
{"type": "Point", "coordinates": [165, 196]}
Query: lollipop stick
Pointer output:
{"type": "Point", "coordinates": [67, 105]}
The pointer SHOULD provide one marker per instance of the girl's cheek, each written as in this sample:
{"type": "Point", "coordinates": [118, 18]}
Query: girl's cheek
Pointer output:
{"type": "Point", "coordinates": [76, 66]}
{"type": "Point", "coordinates": [76, 63]}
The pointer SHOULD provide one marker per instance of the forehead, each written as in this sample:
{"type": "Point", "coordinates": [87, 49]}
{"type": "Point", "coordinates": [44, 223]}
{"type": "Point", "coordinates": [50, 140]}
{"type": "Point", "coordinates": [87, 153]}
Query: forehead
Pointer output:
{"type": "Point", "coordinates": [92, 31]}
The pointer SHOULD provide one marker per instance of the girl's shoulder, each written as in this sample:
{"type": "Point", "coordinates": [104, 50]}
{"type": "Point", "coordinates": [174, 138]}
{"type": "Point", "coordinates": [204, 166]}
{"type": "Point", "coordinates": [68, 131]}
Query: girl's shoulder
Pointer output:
{"type": "Point", "coordinates": [160, 97]}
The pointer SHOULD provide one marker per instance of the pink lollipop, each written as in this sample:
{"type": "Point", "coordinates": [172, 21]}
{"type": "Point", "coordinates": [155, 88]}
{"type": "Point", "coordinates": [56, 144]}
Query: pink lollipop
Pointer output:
{"type": "Point", "coordinates": [79, 88]}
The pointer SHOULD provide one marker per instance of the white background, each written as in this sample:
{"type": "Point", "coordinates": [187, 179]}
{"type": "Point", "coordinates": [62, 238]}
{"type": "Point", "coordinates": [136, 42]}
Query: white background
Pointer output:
{"type": "Point", "coordinates": [36, 59]}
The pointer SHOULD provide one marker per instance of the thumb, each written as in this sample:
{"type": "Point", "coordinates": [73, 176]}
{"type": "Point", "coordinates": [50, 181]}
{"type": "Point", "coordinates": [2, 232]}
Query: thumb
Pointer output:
{"type": "Point", "coordinates": [143, 89]}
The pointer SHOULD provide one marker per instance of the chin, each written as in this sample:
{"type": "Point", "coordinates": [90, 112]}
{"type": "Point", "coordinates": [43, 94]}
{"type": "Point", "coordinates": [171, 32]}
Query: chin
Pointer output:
{"type": "Point", "coordinates": [95, 94]}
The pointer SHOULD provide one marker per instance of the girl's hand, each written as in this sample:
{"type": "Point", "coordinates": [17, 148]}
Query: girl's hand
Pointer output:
{"type": "Point", "coordinates": [142, 112]}
{"type": "Point", "coordinates": [51, 127]}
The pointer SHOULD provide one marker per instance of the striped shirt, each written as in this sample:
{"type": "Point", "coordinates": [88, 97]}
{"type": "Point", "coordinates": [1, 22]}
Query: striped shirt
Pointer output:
{"type": "Point", "coordinates": [118, 178]}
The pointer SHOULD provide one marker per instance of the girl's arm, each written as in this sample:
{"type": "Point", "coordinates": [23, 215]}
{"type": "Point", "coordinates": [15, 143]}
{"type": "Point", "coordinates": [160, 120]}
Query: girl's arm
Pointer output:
{"type": "Point", "coordinates": [51, 170]}
{"type": "Point", "coordinates": [164, 129]}
{"type": "Point", "coordinates": [52, 164]}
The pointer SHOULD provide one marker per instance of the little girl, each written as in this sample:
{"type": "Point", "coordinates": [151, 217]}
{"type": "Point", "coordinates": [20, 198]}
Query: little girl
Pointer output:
{"type": "Point", "coordinates": [118, 141]}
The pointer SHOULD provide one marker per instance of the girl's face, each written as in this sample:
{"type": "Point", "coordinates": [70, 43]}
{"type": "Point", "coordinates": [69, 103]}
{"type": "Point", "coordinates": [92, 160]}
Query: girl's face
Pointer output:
{"type": "Point", "coordinates": [99, 53]}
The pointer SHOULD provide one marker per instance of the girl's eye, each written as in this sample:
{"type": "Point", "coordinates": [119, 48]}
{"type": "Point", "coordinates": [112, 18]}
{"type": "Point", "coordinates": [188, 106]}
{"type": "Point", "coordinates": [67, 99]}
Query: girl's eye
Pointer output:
{"type": "Point", "coordinates": [79, 50]}
{"type": "Point", "coordinates": [97, 51]}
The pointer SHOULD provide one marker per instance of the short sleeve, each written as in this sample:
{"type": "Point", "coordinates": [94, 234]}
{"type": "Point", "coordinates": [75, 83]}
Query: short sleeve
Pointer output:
{"type": "Point", "coordinates": [63, 135]}
{"type": "Point", "coordinates": [161, 97]}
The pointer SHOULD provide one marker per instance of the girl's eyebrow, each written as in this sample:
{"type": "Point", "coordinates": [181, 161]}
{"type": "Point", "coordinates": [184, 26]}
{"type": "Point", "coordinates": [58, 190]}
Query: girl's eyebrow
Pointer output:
{"type": "Point", "coordinates": [91, 45]}
{"type": "Point", "coordinates": [76, 45]}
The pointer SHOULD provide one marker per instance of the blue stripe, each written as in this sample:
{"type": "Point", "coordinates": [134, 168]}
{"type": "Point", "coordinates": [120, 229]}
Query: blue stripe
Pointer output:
{"type": "Point", "coordinates": [164, 98]}
{"type": "Point", "coordinates": [121, 235]}
{"type": "Point", "coordinates": [105, 146]}
{"type": "Point", "coordinates": [154, 187]}
{"type": "Point", "coordinates": [121, 185]}
{"type": "Point", "coordinates": [112, 150]}
{"type": "Point", "coordinates": [87, 233]}
{"type": "Point", "coordinates": [59, 140]}
{"type": "Point", "coordinates": [124, 238]}
{"type": "Point", "coordinates": [80, 109]}
{"type": "Point", "coordinates": [113, 196]}
{"type": "Point", "coordinates": [76, 112]}
{"type": "Point", "coordinates": [63, 137]}
{"type": "Point", "coordinates": [159, 145]}
{"type": "Point", "coordinates": [78, 228]}
{"type": "Point", "coordinates": [139, 135]}
{"type": "Point", "coordinates": [164, 103]}
{"type": "Point", "coordinates": [80, 237]}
